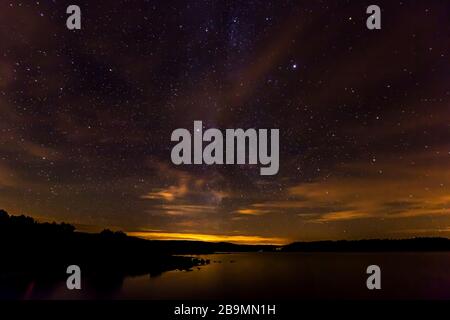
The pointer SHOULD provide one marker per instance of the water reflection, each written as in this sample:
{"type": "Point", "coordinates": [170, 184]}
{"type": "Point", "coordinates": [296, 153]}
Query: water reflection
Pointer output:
{"type": "Point", "coordinates": [278, 276]}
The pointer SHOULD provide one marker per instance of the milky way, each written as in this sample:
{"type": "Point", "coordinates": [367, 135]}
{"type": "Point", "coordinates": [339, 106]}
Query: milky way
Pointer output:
{"type": "Point", "coordinates": [86, 117]}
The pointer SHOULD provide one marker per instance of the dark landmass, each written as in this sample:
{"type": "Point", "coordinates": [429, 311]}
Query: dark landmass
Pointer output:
{"type": "Point", "coordinates": [201, 247]}
{"type": "Point", "coordinates": [371, 245]}
{"type": "Point", "coordinates": [32, 251]}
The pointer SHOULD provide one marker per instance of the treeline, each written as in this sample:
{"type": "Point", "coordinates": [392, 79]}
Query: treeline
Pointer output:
{"type": "Point", "coordinates": [372, 245]}
{"type": "Point", "coordinates": [31, 249]}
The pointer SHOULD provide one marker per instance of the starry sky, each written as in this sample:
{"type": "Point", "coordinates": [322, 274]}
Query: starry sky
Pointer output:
{"type": "Point", "coordinates": [364, 116]}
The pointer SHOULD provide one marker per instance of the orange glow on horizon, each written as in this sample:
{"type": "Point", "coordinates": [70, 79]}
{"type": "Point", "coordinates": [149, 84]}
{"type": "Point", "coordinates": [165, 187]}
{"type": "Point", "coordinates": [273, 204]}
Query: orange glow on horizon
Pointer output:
{"type": "Point", "coordinates": [238, 239]}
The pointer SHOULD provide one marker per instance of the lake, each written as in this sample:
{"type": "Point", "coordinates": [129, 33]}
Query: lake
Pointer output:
{"type": "Point", "coordinates": [279, 275]}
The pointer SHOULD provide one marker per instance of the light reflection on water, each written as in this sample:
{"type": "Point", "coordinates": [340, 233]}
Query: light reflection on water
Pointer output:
{"type": "Point", "coordinates": [300, 275]}
{"type": "Point", "coordinates": [286, 276]}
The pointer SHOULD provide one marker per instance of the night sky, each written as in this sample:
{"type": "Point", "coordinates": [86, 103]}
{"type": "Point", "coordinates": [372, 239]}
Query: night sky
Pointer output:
{"type": "Point", "coordinates": [364, 116]}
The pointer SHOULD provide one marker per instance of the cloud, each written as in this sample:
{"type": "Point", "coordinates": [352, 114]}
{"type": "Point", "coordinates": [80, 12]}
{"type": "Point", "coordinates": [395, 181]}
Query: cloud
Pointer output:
{"type": "Point", "coordinates": [416, 186]}
{"type": "Point", "coordinates": [168, 194]}
{"type": "Point", "coordinates": [387, 190]}
{"type": "Point", "coordinates": [241, 239]}
{"type": "Point", "coordinates": [184, 209]}
{"type": "Point", "coordinates": [185, 187]}
{"type": "Point", "coordinates": [8, 178]}
{"type": "Point", "coordinates": [252, 212]}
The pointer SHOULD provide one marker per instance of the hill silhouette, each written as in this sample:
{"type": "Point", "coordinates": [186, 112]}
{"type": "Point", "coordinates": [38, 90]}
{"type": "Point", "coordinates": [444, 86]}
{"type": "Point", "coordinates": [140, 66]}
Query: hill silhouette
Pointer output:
{"type": "Point", "coordinates": [43, 251]}
{"type": "Point", "coordinates": [371, 245]}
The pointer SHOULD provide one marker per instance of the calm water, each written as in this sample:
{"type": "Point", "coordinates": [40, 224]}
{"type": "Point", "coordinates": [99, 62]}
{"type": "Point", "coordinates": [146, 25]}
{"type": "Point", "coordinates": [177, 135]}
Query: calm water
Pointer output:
{"type": "Point", "coordinates": [285, 276]}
